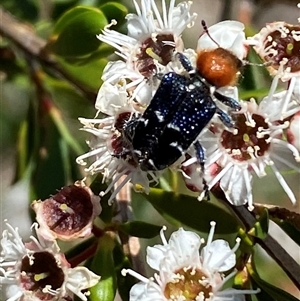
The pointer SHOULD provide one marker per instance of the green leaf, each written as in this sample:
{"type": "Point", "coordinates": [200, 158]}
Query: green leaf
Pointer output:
{"type": "Point", "coordinates": [140, 229]}
{"type": "Point", "coordinates": [288, 221]}
{"type": "Point", "coordinates": [289, 229]}
{"type": "Point", "coordinates": [49, 173]}
{"type": "Point", "coordinates": [88, 74]}
{"type": "Point", "coordinates": [114, 10]}
{"type": "Point", "coordinates": [97, 186]}
{"type": "Point", "coordinates": [261, 227]}
{"type": "Point", "coordinates": [75, 32]}
{"type": "Point", "coordinates": [269, 291]}
{"type": "Point", "coordinates": [180, 209]}
{"type": "Point", "coordinates": [103, 265]}
{"type": "Point", "coordinates": [124, 283]}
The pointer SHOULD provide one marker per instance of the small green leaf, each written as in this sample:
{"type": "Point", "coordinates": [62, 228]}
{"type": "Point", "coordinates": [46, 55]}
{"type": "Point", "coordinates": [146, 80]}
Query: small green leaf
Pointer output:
{"type": "Point", "coordinates": [103, 265]}
{"type": "Point", "coordinates": [114, 10]}
{"type": "Point", "coordinates": [261, 227]}
{"type": "Point", "coordinates": [183, 209]}
{"type": "Point", "coordinates": [97, 186]}
{"type": "Point", "coordinates": [75, 32]}
{"type": "Point", "coordinates": [140, 229]}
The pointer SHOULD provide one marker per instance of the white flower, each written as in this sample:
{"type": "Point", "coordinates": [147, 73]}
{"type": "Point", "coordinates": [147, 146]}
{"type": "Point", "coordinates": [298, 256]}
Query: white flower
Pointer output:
{"type": "Point", "coordinates": [229, 35]}
{"type": "Point", "coordinates": [257, 142]}
{"type": "Point", "coordinates": [184, 273]}
{"type": "Point", "coordinates": [150, 35]}
{"type": "Point", "coordinates": [38, 271]}
{"type": "Point", "coordinates": [110, 153]}
{"type": "Point", "coordinates": [278, 45]}
{"type": "Point", "coordinates": [147, 48]}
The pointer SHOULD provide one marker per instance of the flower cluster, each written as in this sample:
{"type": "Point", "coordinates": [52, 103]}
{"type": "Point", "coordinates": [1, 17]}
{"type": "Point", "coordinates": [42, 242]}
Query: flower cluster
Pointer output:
{"type": "Point", "coordinates": [232, 156]}
{"type": "Point", "coordinates": [185, 274]}
{"type": "Point", "coordinates": [37, 270]}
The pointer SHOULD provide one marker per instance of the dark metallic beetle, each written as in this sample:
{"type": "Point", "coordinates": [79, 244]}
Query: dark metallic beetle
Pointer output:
{"type": "Point", "coordinates": [180, 109]}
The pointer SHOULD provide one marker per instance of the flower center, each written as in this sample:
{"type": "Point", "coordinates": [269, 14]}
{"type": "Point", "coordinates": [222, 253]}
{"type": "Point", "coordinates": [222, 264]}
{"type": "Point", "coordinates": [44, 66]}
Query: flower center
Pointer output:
{"type": "Point", "coordinates": [40, 272]}
{"type": "Point", "coordinates": [189, 283]}
{"type": "Point", "coordinates": [156, 48]}
{"type": "Point", "coordinates": [69, 210]}
{"type": "Point", "coordinates": [284, 44]}
{"type": "Point", "coordinates": [250, 141]}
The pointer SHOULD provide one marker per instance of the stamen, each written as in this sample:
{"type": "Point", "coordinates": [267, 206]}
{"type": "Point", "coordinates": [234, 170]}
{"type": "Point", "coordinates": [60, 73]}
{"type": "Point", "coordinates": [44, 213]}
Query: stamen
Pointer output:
{"type": "Point", "coordinates": [190, 161]}
{"type": "Point", "coordinates": [291, 147]}
{"type": "Point", "coordinates": [120, 186]}
{"type": "Point", "coordinates": [288, 96]}
{"type": "Point", "coordinates": [162, 235]}
{"type": "Point", "coordinates": [220, 174]}
{"type": "Point", "coordinates": [157, 14]}
{"type": "Point", "coordinates": [284, 185]}
{"type": "Point", "coordinates": [18, 243]}
{"type": "Point", "coordinates": [171, 7]}
{"type": "Point", "coordinates": [286, 162]}
{"type": "Point", "coordinates": [229, 276]}
{"type": "Point", "coordinates": [138, 276]}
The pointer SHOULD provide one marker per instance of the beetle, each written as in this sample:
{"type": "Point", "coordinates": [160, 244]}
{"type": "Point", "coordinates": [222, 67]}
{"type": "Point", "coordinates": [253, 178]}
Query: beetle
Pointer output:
{"type": "Point", "coordinates": [180, 109]}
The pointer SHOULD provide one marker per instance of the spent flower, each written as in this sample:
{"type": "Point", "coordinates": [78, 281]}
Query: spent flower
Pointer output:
{"type": "Point", "coordinates": [69, 214]}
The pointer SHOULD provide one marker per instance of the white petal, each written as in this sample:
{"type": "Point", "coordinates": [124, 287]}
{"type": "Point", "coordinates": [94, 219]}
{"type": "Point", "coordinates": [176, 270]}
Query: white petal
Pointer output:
{"type": "Point", "coordinates": [228, 34]}
{"type": "Point", "coordinates": [240, 193]}
{"type": "Point", "coordinates": [219, 248]}
{"type": "Point", "coordinates": [186, 244]}
{"type": "Point", "coordinates": [80, 278]}
{"type": "Point", "coordinates": [146, 292]}
{"type": "Point", "coordinates": [111, 97]}
{"type": "Point", "coordinates": [155, 256]}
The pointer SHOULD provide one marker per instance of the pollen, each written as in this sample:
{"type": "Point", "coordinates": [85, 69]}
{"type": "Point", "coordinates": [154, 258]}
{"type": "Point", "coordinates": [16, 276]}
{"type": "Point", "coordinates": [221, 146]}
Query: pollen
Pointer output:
{"type": "Point", "coordinates": [139, 187]}
{"type": "Point", "coordinates": [188, 284]}
{"type": "Point", "coordinates": [40, 276]}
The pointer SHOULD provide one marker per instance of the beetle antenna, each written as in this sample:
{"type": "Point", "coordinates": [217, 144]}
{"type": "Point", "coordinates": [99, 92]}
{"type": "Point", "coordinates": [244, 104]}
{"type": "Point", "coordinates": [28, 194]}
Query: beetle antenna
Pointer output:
{"type": "Point", "coordinates": [266, 64]}
{"type": "Point", "coordinates": [205, 28]}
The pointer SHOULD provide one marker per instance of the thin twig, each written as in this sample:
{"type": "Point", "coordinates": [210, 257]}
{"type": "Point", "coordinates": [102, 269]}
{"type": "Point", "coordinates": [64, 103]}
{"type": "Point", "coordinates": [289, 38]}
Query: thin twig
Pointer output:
{"type": "Point", "coordinates": [131, 244]}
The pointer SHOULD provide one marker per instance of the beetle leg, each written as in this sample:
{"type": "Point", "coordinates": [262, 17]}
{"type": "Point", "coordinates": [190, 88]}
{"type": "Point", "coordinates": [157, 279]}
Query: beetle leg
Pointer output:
{"type": "Point", "coordinates": [185, 62]}
{"type": "Point", "coordinates": [200, 154]}
{"type": "Point", "coordinates": [225, 118]}
{"type": "Point", "coordinates": [228, 101]}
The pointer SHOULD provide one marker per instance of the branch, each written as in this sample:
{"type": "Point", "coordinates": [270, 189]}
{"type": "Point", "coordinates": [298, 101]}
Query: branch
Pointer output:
{"type": "Point", "coordinates": [269, 244]}
{"type": "Point", "coordinates": [25, 38]}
